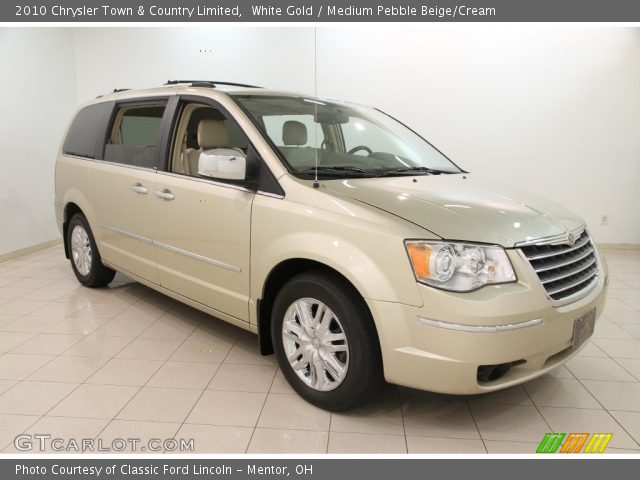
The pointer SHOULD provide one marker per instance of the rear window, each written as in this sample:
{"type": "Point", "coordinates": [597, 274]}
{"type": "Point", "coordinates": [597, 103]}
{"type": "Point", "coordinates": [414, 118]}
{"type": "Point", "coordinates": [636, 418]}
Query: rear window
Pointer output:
{"type": "Point", "coordinates": [87, 130]}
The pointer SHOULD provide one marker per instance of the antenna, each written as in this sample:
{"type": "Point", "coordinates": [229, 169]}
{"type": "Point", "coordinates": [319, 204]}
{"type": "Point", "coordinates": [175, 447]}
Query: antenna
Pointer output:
{"type": "Point", "coordinates": [316, 184]}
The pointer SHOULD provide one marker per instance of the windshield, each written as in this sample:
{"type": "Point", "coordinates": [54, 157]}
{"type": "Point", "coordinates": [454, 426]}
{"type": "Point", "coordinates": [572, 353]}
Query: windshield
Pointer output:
{"type": "Point", "coordinates": [342, 140]}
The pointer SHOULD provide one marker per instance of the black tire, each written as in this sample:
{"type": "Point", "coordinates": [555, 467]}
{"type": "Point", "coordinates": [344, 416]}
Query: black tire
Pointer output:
{"type": "Point", "coordinates": [98, 275]}
{"type": "Point", "coordinates": [363, 376]}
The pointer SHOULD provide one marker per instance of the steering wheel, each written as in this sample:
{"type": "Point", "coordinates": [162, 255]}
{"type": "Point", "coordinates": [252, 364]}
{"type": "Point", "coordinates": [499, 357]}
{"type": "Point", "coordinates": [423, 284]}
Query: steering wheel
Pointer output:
{"type": "Point", "coordinates": [360, 147]}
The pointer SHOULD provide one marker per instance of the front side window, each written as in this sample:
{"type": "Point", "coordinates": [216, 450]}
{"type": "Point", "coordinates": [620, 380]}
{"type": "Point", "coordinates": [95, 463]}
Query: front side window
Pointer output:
{"type": "Point", "coordinates": [341, 139]}
{"type": "Point", "coordinates": [201, 128]}
{"type": "Point", "coordinates": [134, 135]}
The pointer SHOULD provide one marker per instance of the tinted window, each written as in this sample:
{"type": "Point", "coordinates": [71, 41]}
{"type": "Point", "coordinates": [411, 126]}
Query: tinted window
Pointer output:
{"type": "Point", "coordinates": [87, 130]}
{"type": "Point", "coordinates": [134, 135]}
{"type": "Point", "coordinates": [138, 126]}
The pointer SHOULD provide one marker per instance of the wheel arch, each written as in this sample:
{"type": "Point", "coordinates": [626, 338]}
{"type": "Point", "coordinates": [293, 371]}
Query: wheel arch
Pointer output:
{"type": "Point", "coordinates": [70, 209]}
{"type": "Point", "coordinates": [75, 202]}
{"type": "Point", "coordinates": [276, 279]}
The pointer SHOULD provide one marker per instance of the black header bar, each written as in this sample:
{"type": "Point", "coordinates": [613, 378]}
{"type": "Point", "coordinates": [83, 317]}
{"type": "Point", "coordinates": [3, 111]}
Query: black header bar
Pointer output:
{"type": "Point", "coordinates": [196, 11]}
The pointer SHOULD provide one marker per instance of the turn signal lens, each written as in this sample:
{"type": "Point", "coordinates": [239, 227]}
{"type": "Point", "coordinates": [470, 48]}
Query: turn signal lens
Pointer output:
{"type": "Point", "coordinates": [419, 253]}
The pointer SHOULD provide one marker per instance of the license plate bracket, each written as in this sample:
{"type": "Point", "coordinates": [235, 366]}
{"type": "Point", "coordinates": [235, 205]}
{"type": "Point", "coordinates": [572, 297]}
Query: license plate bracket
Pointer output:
{"type": "Point", "coordinates": [583, 327]}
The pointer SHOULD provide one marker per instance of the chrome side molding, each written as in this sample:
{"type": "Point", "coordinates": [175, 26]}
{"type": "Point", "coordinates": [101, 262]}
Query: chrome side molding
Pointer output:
{"type": "Point", "coordinates": [173, 248]}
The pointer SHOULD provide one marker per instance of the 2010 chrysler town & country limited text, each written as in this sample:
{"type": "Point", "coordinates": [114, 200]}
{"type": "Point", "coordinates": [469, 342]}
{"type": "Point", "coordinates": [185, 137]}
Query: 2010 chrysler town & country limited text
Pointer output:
{"type": "Point", "coordinates": [355, 249]}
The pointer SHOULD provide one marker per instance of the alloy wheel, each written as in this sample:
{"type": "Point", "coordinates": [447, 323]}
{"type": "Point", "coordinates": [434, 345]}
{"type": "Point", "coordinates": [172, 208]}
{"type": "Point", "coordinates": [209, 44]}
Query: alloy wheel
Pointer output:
{"type": "Point", "coordinates": [315, 344]}
{"type": "Point", "coordinates": [81, 250]}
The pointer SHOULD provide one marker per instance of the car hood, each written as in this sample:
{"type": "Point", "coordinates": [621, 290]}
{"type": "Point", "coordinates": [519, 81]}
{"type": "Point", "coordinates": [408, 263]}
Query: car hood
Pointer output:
{"type": "Point", "coordinates": [461, 207]}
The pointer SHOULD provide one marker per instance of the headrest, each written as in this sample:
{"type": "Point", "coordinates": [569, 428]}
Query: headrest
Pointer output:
{"type": "Point", "coordinates": [294, 133]}
{"type": "Point", "coordinates": [212, 134]}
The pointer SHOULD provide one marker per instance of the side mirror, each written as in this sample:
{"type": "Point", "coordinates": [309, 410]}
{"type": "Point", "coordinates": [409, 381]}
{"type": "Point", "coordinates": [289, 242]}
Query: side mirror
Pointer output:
{"type": "Point", "coordinates": [223, 163]}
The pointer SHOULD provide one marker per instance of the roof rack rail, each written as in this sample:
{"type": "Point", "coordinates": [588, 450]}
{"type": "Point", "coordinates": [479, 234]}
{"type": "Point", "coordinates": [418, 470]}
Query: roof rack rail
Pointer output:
{"type": "Point", "coordinates": [209, 83]}
{"type": "Point", "coordinates": [115, 90]}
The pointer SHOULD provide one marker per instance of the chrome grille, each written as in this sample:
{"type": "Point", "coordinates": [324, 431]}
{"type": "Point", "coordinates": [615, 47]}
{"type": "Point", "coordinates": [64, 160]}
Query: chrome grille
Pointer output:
{"type": "Point", "coordinates": [564, 269]}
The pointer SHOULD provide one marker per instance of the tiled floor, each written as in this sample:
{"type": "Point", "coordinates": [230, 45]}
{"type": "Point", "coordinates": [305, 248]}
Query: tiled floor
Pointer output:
{"type": "Point", "coordinates": [126, 362]}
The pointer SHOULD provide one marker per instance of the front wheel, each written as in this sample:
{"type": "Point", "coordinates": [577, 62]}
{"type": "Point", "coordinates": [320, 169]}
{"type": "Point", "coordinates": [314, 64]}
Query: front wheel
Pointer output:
{"type": "Point", "coordinates": [325, 341]}
{"type": "Point", "coordinates": [84, 256]}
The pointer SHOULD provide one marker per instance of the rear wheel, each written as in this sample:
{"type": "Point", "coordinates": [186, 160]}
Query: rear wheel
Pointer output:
{"type": "Point", "coordinates": [84, 256]}
{"type": "Point", "coordinates": [325, 341]}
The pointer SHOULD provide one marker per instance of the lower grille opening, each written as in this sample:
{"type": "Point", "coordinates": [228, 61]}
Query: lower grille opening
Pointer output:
{"type": "Point", "coordinates": [556, 357]}
{"type": "Point", "coordinates": [490, 373]}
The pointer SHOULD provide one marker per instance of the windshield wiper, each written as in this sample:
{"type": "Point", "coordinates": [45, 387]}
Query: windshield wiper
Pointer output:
{"type": "Point", "coordinates": [348, 169]}
{"type": "Point", "coordinates": [410, 170]}
{"type": "Point", "coordinates": [341, 169]}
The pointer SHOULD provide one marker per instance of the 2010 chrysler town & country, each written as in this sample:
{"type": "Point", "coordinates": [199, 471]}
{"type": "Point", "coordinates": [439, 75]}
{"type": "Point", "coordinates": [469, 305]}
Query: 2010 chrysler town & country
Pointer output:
{"type": "Point", "coordinates": [355, 249]}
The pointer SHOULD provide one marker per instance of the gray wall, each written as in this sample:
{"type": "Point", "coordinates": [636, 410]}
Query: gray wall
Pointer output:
{"type": "Point", "coordinates": [38, 94]}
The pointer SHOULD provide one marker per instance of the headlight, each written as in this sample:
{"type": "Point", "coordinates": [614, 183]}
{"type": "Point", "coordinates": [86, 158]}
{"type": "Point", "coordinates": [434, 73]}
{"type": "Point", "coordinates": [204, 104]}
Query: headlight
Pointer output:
{"type": "Point", "coordinates": [460, 267]}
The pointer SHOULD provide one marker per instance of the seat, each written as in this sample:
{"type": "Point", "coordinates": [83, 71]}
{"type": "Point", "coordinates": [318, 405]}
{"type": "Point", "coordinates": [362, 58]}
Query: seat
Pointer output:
{"type": "Point", "coordinates": [294, 133]}
{"type": "Point", "coordinates": [211, 134]}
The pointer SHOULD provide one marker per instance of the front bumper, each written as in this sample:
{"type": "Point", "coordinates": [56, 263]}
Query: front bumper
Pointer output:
{"type": "Point", "coordinates": [425, 356]}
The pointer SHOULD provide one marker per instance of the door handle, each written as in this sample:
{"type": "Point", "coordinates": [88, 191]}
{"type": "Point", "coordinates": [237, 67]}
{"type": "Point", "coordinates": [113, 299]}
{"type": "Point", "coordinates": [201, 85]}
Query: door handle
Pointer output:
{"type": "Point", "coordinates": [139, 188]}
{"type": "Point", "coordinates": [165, 194]}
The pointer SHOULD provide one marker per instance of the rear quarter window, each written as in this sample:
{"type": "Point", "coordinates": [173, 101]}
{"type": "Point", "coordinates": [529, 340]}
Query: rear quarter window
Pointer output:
{"type": "Point", "coordinates": [87, 131]}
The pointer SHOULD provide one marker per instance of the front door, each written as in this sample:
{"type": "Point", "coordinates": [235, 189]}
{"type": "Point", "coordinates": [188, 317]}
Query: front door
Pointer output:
{"type": "Point", "coordinates": [202, 227]}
